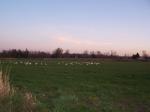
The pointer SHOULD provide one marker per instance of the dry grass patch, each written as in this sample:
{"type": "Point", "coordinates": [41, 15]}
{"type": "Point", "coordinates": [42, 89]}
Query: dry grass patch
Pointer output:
{"type": "Point", "coordinates": [15, 100]}
{"type": "Point", "coordinates": [5, 88]}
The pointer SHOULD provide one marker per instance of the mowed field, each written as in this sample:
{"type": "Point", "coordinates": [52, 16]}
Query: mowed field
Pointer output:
{"type": "Point", "coordinates": [84, 85]}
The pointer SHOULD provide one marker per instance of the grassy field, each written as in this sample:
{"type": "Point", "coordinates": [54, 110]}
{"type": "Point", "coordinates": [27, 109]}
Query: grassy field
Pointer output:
{"type": "Point", "coordinates": [83, 85]}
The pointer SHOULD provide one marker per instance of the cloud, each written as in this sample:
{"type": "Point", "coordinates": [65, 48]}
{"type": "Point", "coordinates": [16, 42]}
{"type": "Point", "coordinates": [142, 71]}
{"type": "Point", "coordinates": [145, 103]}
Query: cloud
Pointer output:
{"type": "Point", "coordinates": [79, 44]}
{"type": "Point", "coordinates": [77, 41]}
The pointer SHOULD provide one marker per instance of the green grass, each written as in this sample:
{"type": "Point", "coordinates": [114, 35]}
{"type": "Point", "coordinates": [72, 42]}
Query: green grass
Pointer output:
{"type": "Point", "coordinates": [111, 86]}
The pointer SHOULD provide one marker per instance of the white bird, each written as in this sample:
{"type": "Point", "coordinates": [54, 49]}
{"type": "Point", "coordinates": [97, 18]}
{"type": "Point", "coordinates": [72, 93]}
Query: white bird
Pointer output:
{"type": "Point", "coordinates": [36, 63]}
{"type": "Point", "coordinates": [16, 63]}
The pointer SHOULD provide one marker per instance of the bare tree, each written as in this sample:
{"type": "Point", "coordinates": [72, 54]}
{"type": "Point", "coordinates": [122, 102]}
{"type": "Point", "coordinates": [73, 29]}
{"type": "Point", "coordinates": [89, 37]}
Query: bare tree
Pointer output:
{"type": "Point", "coordinates": [144, 54]}
{"type": "Point", "coordinates": [93, 55]}
{"type": "Point", "coordinates": [57, 53]}
{"type": "Point", "coordinates": [136, 56]}
{"type": "Point", "coordinates": [85, 54]}
{"type": "Point", "coordinates": [113, 53]}
{"type": "Point", "coordinates": [66, 54]}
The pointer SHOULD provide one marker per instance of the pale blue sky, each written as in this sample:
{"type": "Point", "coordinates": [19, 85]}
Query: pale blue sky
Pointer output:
{"type": "Point", "coordinates": [78, 25]}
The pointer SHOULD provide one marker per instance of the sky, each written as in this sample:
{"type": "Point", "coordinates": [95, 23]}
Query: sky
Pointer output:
{"type": "Point", "coordinates": [78, 25]}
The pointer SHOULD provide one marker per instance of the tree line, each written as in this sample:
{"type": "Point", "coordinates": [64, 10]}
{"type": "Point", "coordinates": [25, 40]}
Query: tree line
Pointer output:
{"type": "Point", "coordinates": [60, 53]}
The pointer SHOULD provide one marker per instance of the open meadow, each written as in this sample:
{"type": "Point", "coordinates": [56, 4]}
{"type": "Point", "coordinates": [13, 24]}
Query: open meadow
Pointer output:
{"type": "Point", "coordinates": [81, 85]}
